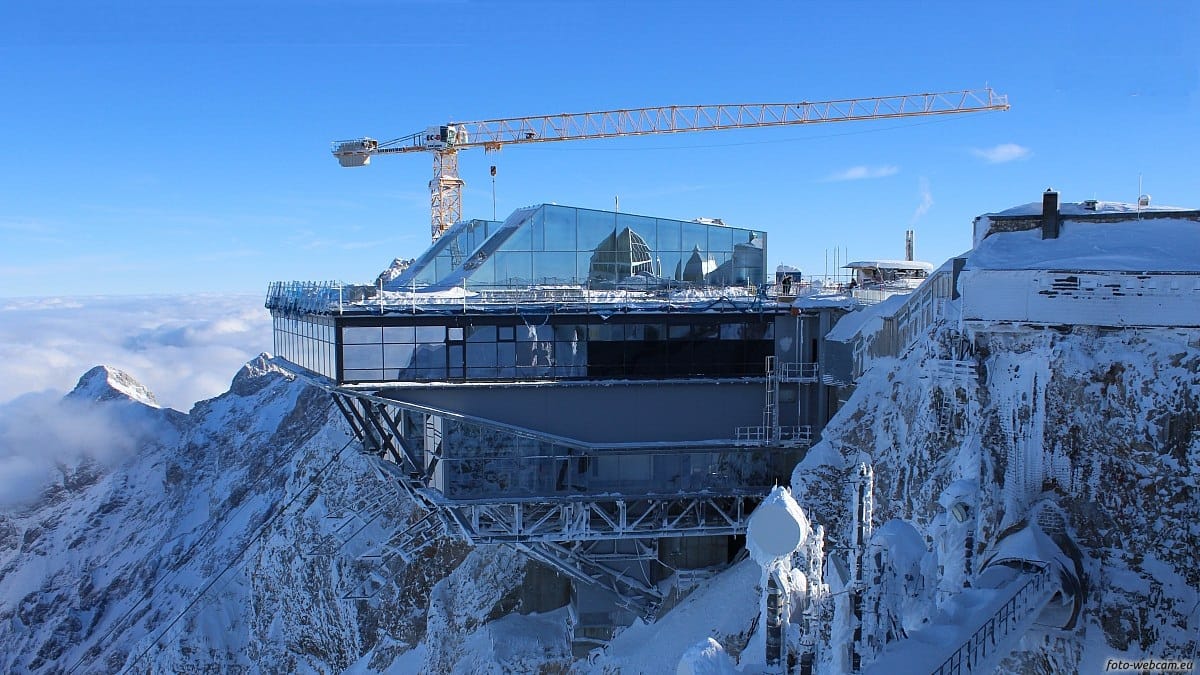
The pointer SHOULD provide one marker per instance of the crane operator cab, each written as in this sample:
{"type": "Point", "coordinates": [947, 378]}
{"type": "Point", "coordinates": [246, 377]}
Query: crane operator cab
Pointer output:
{"type": "Point", "coordinates": [444, 136]}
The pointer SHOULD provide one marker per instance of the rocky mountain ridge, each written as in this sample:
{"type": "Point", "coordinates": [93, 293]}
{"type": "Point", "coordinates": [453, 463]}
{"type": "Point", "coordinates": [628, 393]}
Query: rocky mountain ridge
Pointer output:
{"type": "Point", "coordinates": [227, 542]}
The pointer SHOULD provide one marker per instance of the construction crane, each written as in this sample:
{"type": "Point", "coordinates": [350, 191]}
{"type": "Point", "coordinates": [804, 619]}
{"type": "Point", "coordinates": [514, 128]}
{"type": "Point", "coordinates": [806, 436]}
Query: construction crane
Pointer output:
{"type": "Point", "coordinates": [445, 140]}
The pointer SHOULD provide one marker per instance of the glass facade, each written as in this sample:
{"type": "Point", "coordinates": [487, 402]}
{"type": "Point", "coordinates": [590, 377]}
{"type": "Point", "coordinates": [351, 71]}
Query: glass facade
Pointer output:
{"type": "Point", "coordinates": [479, 460]}
{"type": "Point", "coordinates": [548, 246]}
{"type": "Point", "coordinates": [447, 254]}
{"type": "Point", "coordinates": [483, 463]}
{"type": "Point", "coordinates": [488, 348]}
{"type": "Point", "coordinates": [309, 342]}
{"type": "Point", "coordinates": [563, 245]}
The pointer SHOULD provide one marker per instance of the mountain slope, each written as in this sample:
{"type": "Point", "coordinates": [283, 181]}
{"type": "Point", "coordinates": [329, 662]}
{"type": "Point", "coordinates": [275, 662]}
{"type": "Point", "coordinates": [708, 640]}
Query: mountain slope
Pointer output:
{"type": "Point", "coordinates": [224, 542]}
{"type": "Point", "coordinates": [1098, 426]}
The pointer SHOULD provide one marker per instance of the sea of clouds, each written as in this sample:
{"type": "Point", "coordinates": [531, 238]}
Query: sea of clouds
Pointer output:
{"type": "Point", "coordinates": [183, 348]}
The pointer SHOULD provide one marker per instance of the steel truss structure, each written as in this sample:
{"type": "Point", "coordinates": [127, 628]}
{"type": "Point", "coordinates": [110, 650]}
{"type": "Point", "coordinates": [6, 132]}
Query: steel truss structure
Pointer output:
{"type": "Point", "coordinates": [581, 563]}
{"type": "Point", "coordinates": [561, 532]}
{"type": "Point", "coordinates": [604, 518]}
{"type": "Point", "coordinates": [445, 140]}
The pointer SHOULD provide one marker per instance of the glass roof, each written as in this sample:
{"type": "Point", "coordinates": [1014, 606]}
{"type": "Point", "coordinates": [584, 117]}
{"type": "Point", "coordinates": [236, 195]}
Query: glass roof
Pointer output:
{"type": "Point", "coordinates": [552, 245]}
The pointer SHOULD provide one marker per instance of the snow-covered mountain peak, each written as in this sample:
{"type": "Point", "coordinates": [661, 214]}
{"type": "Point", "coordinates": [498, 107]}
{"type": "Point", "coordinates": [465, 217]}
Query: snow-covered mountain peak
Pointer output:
{"type": "Point", "coordinates": [398, 267]}
{"type": "Point", "coordinates": [105, 383]}
{"type": "Point", "coordinates": [250, 378]}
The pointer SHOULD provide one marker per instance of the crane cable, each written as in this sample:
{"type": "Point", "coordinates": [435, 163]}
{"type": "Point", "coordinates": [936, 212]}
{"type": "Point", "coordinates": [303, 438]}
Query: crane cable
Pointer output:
{"type": "Point", "coordinates": [314, 480]}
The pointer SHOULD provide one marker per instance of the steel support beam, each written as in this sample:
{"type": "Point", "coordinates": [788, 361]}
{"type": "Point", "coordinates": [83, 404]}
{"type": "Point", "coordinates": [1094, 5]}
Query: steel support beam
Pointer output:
{"type": "Point", "coordinates": [560, 532]}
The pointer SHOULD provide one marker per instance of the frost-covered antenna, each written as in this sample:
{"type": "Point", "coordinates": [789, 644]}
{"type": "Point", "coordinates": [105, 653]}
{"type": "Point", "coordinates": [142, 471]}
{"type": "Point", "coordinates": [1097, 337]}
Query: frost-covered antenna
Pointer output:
{"type": "Point", "coordinates": [776, 529]}
{"type": "Point", "coordinates": [1143, 199]}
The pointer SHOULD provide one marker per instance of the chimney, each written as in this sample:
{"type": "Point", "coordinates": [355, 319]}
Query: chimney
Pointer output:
{"type": "Point", "coordinates": [1050, 214]}
{"type": "Point", "coordinates": [908, 245]}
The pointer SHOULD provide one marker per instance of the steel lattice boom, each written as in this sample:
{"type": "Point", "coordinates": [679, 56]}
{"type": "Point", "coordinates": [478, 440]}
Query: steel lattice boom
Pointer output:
{"type": "Point", "coordinates": [444, 141]}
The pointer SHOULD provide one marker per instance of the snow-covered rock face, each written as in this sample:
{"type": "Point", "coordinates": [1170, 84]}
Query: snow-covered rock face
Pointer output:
{"type": "Point", "coordinates": [1100, 424]}
{"type": "Point", "coordinates": [398, 267]}
{"type": "Point", "coordinates": [226, 540]}
{"type": "Point", "coordinates": [105, 383]}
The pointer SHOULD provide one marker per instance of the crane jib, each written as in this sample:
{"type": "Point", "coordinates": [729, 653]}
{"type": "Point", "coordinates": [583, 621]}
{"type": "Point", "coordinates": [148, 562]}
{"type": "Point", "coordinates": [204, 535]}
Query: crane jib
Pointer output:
{"type": "Point", "coordinates": [445, 140]}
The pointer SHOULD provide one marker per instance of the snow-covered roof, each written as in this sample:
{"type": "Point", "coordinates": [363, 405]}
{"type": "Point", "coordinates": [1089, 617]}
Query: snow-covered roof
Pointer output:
{"type": "Point", "coordinates": [854, 322]}
{"type": "Point", "coordinates": [890, 265]}
{"type": "Point", "coordinates": [1079, 209]}
{"type": "Point", "coordinates": [1152, 245]}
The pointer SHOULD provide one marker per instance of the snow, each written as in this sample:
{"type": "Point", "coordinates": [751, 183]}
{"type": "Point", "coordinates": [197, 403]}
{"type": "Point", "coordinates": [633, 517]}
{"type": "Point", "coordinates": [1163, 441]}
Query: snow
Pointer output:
{"type": "Point", "coordinates": [891, 265]}
{"type": "Point", "coordinates": [962, 491]}
{"type": "Point", "coordinates": [869, 319]}
{"type": "Point", "coordinates": [104, 383]}
{"type": "Point", "coordinates": [706, 658]}
{"type": "Point", "coordinates": [1158, 245]}
{"type": "Point", "coordinates": [905, 546]}
{"type": "Point", "coordinates": [1127, 273]}
{"type": "Point", "coordinates": [1029, 544]}
{"type": "Point", "coordinates": [1099, 424]}
{"type": "Point", "coordinates": [776, 528]}
{"type": "Point", "coordinates": [1078, 209]}
{"type": "Point", "coordinates": [407, 662]}
{"type": "Point", "coordinates": [457, 296]}
{"type": "Point", "coordinates": [821, 454]}
{"type": "Point", "coordinates": [926, 649]}
{"type": "Point", "coordinates": [516, 643]}
{"type": "Point", "coordinates": [724, 608]}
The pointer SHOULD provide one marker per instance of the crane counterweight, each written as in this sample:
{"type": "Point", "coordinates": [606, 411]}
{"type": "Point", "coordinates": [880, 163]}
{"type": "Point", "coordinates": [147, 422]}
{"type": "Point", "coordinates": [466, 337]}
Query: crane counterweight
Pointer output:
{"type": "Point", "coordinates": [355, 152]}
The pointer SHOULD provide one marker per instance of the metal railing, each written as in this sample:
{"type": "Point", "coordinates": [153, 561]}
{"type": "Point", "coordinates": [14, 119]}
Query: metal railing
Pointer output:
{"type": "Point", "coordinates": [797, 436]}
{"type": "Point", "coordinates": [1011, 616]}
{"type": "Point", "coordinates": [799, 372]}
{"type": "Point", "coordinates": [310, 297]}
{"type": "Point", "coordinates": [329, 297]}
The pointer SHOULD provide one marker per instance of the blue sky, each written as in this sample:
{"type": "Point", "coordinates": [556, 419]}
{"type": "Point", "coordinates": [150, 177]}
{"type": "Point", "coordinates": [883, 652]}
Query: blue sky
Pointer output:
{"type": "Point", "coordinates": [184, 146]}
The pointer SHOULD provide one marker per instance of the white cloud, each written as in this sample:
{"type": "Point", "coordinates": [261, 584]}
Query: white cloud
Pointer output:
{"type": "Point", "coordinates": [183, 348]}
{"type": "Point", "coordinates": [861, 172]}
{"type": "Point", "coordinates": [926, 202]}
{"type": "Point", "coordinates": [44, 439]}
{"type": "Point", "coordinates": [1005, 152]}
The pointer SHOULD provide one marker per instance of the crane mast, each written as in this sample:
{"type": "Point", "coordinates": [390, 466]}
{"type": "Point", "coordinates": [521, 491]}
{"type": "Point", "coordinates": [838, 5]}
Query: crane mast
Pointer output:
{"type": "Point", "coordinates": [444, 141]}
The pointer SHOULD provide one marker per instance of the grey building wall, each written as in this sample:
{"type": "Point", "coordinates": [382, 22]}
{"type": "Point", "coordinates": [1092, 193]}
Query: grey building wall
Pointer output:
{"type": "Point", "coordinates": [606, 412]}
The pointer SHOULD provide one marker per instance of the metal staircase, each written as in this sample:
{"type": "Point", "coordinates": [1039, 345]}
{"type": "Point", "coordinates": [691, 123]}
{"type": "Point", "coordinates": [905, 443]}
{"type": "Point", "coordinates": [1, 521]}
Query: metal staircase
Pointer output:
{"type": "Point", "coordinates": [577, 562]}
{"type": "Point", "coordinates": [995, 635]}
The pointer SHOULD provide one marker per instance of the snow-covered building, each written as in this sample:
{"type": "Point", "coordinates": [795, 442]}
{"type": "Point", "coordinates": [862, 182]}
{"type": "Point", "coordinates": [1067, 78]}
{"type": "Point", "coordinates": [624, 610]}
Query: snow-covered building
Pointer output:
{"type": "Point", "coordinates": [992, 389]}
{"type": "Point", "coordinates": [610, 393]}
{"type": "Point", "coordinates": [1091, 263]}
